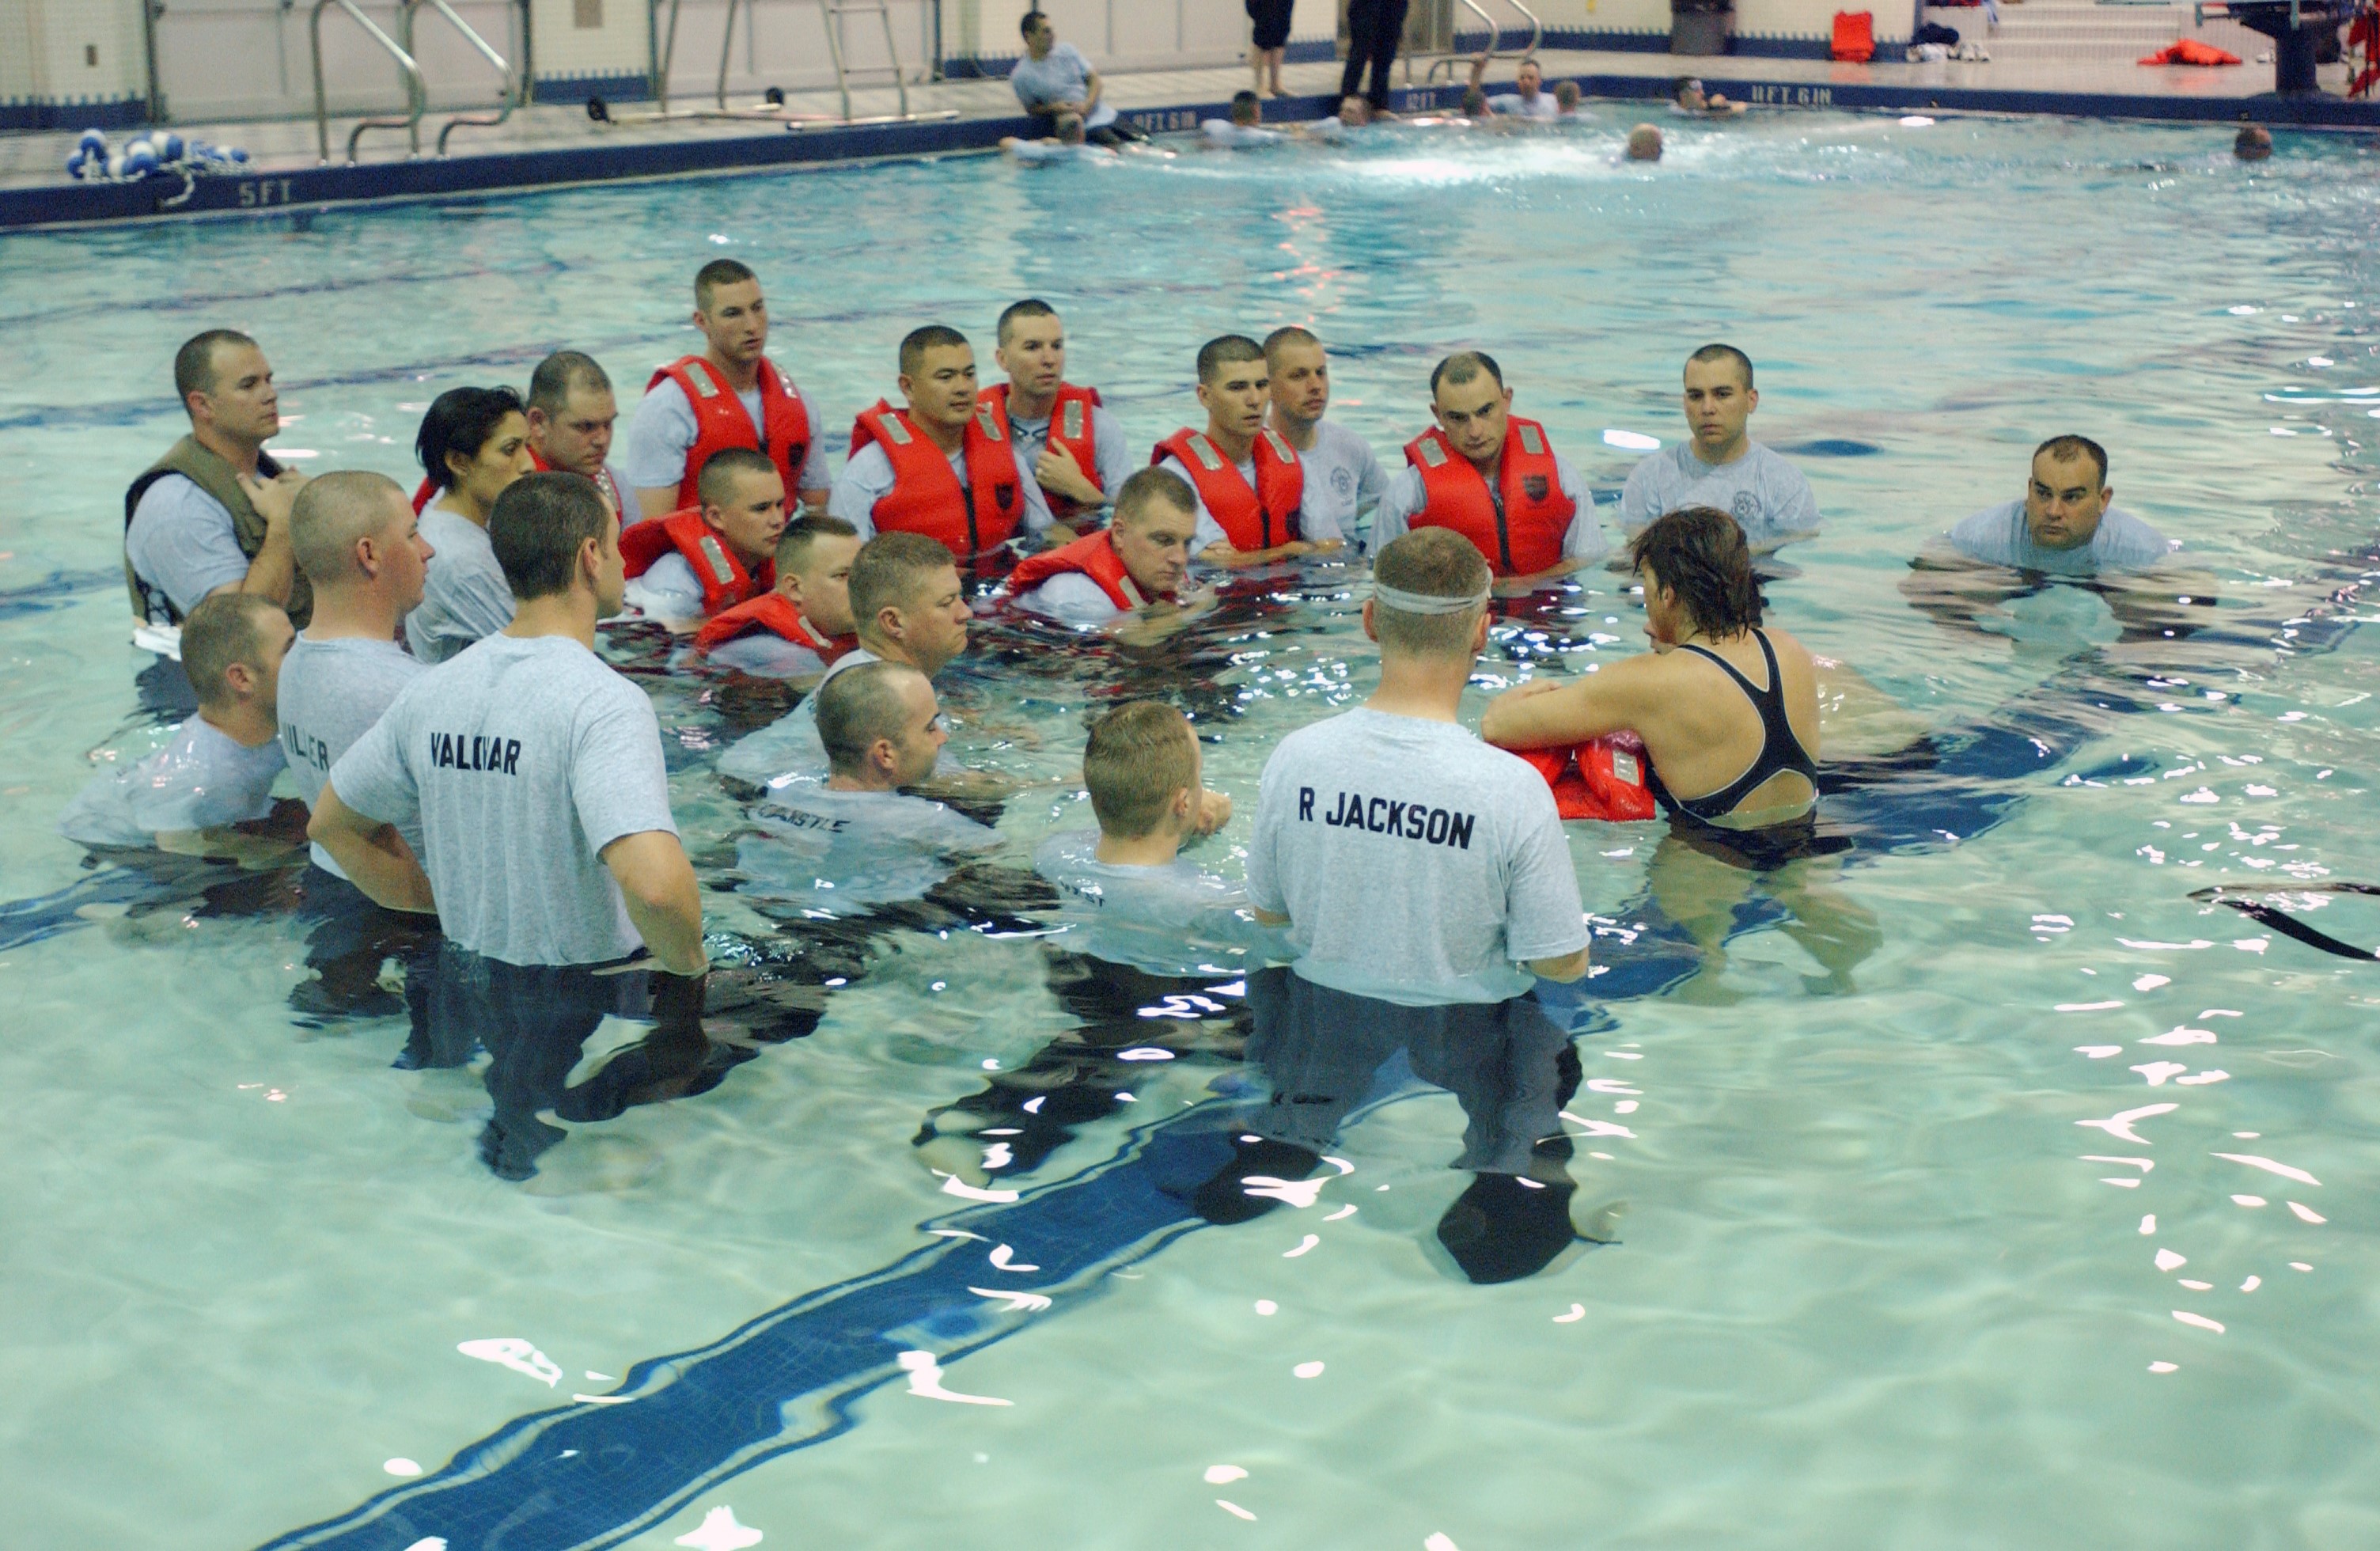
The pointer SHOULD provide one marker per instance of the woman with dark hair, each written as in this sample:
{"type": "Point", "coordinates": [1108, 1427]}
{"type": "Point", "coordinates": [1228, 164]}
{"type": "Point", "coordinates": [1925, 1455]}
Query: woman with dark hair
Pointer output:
{"type": "Point", "coordinates": [473, 443]}
{"type": "Point", "coordinates": [1728, 710]}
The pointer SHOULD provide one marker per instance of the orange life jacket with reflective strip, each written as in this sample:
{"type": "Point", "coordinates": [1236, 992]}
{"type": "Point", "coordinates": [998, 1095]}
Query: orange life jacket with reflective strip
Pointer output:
{"type": "Point", "coordinates": [1261, 519]}
{"type": "Point", "coordinates": [1072, 427]}
{"type": "Point", "coordinates": [720, 421]}
{"type": "Point", "coordinates": [1094, 556]}
{"type": "Point", "coordinates": [724, 580]}
{"type": "Point", "coordinates": [926, 497]}
{"type": "Point", "coordinates": [771, 611]}
{"type": "Point", "coordinates": [1522, 534]}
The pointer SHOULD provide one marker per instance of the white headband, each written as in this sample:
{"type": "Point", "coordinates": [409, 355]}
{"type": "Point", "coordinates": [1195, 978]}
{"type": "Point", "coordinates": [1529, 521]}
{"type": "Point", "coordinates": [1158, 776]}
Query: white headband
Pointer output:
{"type": "Point", "coordinates": [1406, 602]}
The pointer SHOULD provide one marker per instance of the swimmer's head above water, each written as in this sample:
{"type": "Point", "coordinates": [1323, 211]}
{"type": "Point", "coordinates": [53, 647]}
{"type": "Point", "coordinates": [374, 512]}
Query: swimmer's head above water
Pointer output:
{"type": "Point", "coordinates": [1068, 128]}
{"type": "Point", "coordinates": [555, 537]}
{"type": "Point", "coordinates": [1697, 573]}
{"type": "Point", "coordinates": [2066, 493]}
{"type": "Point", "coordinates": [1234, 387]}
{"type": "Point", "coordinates": [814, 560]}
{"type": "Point", "coordinates": [1475, 103]}
{"type": "Point", "coordinates": [906, 603]}
{"type": "Point", "coordinates": [1355, 112]}
{"type": "Point", "coordinates": [1301, 378]}
{"type": "Point", "coordinates": [225, 386]}
{"type": "Point", "coordinates": [232, 647]}
{"type": "Point", "coordinates": [1645, 143]}
{"type": "Point", "coordinates": [473, 444]}
{"type": "Point", "coordinates": [1155, 516]}
{"type": "Point", "coordinates": [732, 314]}
{"type": "Point", "coordinates": [355, 536]}
{"type": "Point", "coordinates": [1472, 406]}
{"type": "Point", "coordinates": [937, 379]}
{"type": "Point", "coordinates": [1719, 399]}
{"type": "Point", "coordinates": [1142, 770]}
{"type": "Point", "coordinates": [2253, 142]}
{"type": "Point", "coordinates": [881, 727]}
{"type": "Point", "coordinates": [1566, 96]}
{"type": "Point", "coordinates": [572, 412]}
{"type": "Point", "coordinates": [743, 500]}
{"type": "Point", "coordinates": [1031, 349]}
{"type": "Point", "coordinates": [1429, 600]}
{"type": "Point", "coordinates": [1247, 109]}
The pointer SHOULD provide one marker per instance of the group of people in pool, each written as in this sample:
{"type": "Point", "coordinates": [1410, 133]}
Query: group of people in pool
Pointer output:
{"type": "Point", "coordinates": [482, 790]}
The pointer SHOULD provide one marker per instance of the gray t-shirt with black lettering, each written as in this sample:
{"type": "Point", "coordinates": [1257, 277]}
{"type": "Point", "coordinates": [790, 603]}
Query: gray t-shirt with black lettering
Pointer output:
{"type": "Point", "coordinates": [1416, 864]}
{"type": "Point", "coordinates": [331, 693]}
{"type": "Point", "coordinates": [522, 759]}
{"type": "Point", "coordinates": [844, 852]}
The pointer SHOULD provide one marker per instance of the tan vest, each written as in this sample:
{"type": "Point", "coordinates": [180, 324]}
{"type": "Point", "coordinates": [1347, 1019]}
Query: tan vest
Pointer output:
{"type": "Point", "coordinates": [213, 475]}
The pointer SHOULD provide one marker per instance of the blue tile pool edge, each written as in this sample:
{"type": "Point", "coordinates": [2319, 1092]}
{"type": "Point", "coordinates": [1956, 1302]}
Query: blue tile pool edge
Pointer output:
{"type": "Point", "coordinates": [167, 196]}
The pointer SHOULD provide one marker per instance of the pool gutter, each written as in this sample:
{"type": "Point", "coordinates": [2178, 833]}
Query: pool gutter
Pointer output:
{"type": "Point", "coordinates": [271, 191]}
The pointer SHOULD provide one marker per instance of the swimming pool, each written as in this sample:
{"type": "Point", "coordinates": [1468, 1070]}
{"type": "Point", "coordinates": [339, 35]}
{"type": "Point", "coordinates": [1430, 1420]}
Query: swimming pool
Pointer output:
{"type": "Point", "coordinates": [1892, 1269]}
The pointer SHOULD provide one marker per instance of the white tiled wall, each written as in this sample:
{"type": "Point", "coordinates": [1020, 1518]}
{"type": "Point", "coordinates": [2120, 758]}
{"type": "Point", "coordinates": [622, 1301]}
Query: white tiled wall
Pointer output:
{"type": "Point", "coordinates": [71, 51]}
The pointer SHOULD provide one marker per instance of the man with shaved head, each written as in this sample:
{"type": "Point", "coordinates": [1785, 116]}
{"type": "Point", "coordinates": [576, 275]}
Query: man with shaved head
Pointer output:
{"type": "Point", "coordinates": [1719, 465]}
{"type": "Point", "coordinates": [357, 540]}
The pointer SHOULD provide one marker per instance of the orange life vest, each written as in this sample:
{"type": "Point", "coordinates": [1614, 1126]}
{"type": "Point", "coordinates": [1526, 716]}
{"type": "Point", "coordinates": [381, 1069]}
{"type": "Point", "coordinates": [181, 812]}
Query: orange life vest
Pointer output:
{"type": "Point", "coordinates": [771, 611]}
{"type": "Point", "coordinates": [720, 421]}
{"type": "Point", "coordinates": [1073, 427]}
{"type": "Point", "coordinates": [427, 492]}
{"type": "Point", "coordinates": [724, 580]}
{"type": "Point", "coordinates": [1522, 534]}
{"type": "Point", "coordinates": [1094, 556]}
{"type": "Point", "coordinates": [926, 497]}
{"type": "Point", "coordinates": [1603, 778]}
{"type": "Point", "coordinates": [1261, 519]}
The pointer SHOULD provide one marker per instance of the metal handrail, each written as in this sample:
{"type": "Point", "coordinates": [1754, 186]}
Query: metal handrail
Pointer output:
{"type": "Point", "coordinates": [1495, 36]}
{"type": "Point", "coordinates": [516, 89]}
{"type": "Point", "coordinates": [665, 50]}
{"type": "Point", "coordinates": [831, 13]}
{"type": "Point", "coordinates": [417, 96]}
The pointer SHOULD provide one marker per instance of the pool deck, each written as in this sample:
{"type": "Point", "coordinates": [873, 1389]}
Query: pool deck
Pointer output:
{"type": "Point", "coordinates": [549, 146]}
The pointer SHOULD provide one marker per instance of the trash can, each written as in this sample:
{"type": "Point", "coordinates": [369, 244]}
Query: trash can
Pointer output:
{"type": "Point", "coordinates": [1701, 26]}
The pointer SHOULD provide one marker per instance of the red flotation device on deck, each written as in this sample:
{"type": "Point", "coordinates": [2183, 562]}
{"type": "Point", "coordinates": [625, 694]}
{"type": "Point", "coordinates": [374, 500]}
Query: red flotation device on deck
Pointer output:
{"type": "Point", "coordinates": [1603, 778]}
{"type": "Point", "coordinates": [2190, 51]}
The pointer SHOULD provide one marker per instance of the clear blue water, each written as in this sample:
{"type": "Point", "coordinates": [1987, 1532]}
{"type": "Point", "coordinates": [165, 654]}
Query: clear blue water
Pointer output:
{"type": "Point", "coordinates": [1879, 1281]}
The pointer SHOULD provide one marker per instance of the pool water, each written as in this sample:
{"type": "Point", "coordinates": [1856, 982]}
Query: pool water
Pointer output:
{"type": "Point", "coordinates": [1924, 1239]}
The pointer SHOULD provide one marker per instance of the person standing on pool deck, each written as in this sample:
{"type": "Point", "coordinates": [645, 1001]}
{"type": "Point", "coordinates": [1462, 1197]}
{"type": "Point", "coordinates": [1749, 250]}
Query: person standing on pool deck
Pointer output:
{"type": "Point", "coordinates": [689, 566]}
{"type": "Point", "coordinates": [1070, 440]}
{"type": "Point", "coordinates": [1493, 478]}
{"type": "Point", "coordinates": [548, 853]}
{"type": "Point", "coordinates": [730, 396]}
{"type": "Point", "coordinates": [907, 606]}
{"type": "Point", "coordinates": [212, 515]}
{"type": "Point", "coordinates": [1396, 802]}
{"type": "Point", "coordinates": [945, 466]}
{"type": "Point", "coordinates": [1054, 78]}
{"type": "Point", "coordinates": [1340, 468]}
{"type": "Point", "coordinates": [1255, 505]}
{"type": "Point", "coordinates": [474, 443]}
{"type": "Point", "coordinates": [1722, 466]}
{"type": "Point", "coordinates": [1375, 28]}
{"type": "Point", "coordinates": [1728, 711]}
{"type": "Point", "coordinates": [1267, 39]}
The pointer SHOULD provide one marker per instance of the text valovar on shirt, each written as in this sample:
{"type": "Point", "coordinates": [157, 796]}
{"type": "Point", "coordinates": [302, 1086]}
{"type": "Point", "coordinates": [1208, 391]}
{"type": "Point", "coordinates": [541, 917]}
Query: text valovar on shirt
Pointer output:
{"type": "Point", "coordinates": [453, 751]}
{"type": "Point", "coordinates": [1381, 815]}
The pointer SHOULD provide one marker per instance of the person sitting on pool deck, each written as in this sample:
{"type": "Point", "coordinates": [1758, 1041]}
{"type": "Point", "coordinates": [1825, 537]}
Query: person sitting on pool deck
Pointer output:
{"type": "Point", "coordinates": [1125, 888]}
{"type": "Point", "coordinates": [859, 840]}
{"type": "Point", "coordinates": [945, 466]}
{"type": "Point", "coordinates": [1722, 466]}
{"type": "Point", "coordinates": [1073, 442]}
{"type": "Point", "coordinates": [907, 606]}
{"type": "Point", "coordinates": [473, 444]}
{"type": "Point", "coordinates": [209, 791]}
{"type": "Point", "coordinates": [689, 566]}
{"type": "Point", "coordinates": [548, 852]}
{"type": "Point", "coordinates": [730, 396]}
{"type": "Point", "coordinates": [2066, 527]}
{"type": "Point", "coordinates": [1255, 505]}
{"type": "Point", "coordinates": [1135, 566]}
{"type": "Point", "coordinates": [1494, 479]}
{"type": "Point", "coordinates": [1396, 802]}
{"type": "Point", "coordinates": [1527, 99]}
{"type": "Point", "coordinates": [1728, 711]}
{"type": "Point", "coordinates": [1054, 78]}
{"type": "Point", "coordinates": [212, 515]}
{"type": "Point", "coordinates": [1340, 468]}
{"type": "Point", "coordinates": [802, 626]}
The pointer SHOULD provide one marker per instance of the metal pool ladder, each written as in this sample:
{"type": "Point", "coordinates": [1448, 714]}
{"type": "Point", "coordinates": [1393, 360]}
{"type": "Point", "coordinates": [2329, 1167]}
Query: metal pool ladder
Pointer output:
{"type": "Point", "coordinates": [1495, 36]}
{"type": "Point", "coordinates": [417, 95]}
{"type": "Point", "coordinates": [832, 12]}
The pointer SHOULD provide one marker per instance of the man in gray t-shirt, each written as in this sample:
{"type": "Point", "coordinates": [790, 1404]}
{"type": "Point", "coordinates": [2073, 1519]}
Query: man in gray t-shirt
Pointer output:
{"type": "Point", "coordinates": [1412, 862]}
{"type": "Point", "coordinates": [548, 849]}
{"type": "Point", "coordinates": [1721, 466]}
{"type": "Point", "coordinates": [2065, 527]}
{"type": "Point", "coordinates": [1339, 464]}
{"type": "Point", "coordinates": [1054, 78]}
